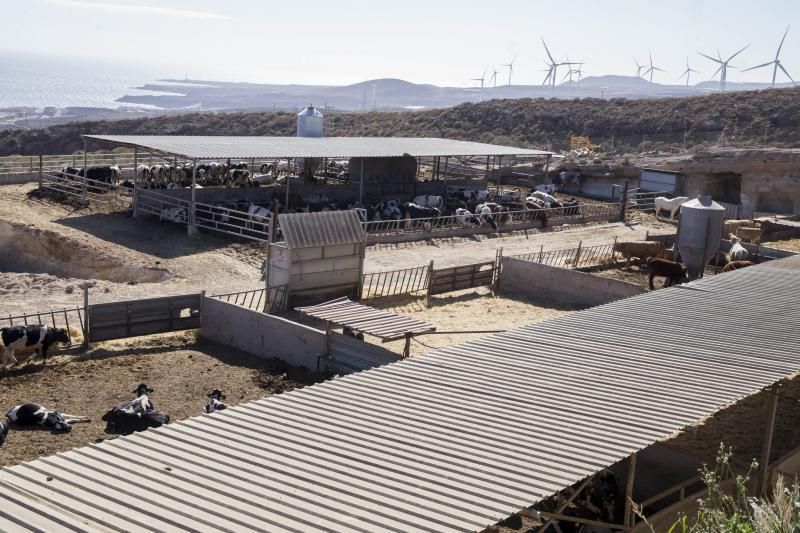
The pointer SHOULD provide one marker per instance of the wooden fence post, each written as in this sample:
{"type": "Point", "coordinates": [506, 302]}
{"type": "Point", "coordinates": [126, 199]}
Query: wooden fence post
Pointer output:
{"type": "Point", "coordinates": [40, 171]}
{"type": "Point", "coordinates": [624, 202]}
{"type": "Point", "coordinates": [541, 251]}
{"type": "Point", "coordinates": [407, 347]}
{"type": "Point", "coordinates": [577, 255]}
{"type": "Point", "coordinates": [498, 264]}
{"type": "Point", "coordinates": [430, 284]}
{"type": "Point", "coordinates": [86, 327]}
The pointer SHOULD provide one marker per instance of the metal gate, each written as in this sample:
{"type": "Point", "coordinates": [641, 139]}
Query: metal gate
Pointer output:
{"type": "Point", "coordinates": [132, 318]}
{"type": "Point", "coordinates": [462, 277]}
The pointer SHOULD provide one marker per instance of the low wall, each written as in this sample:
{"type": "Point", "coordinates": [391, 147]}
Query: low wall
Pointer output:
{"type": "Point", "coordinates": [17, 179]}
{"type": "Point", "coordinates": [562, 286]}
{"type": "Point", "coordinates": [260, 334]}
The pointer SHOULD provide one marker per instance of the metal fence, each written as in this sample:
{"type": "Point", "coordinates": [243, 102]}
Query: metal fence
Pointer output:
{"type": "Point", "coordinates": [64, 318]}
{"type": "Point", "coordinates": [259, 300]}
{"type": "Point", "coordinates": [164, 206]}
{"type": "Point", "coordinates": [395, 282]}
{"type": "Point", "coordinates": [580, 257]}
{"type": "Point", "coordinates": [462, 277]}
{"type": "Point", "coordinates": [88, 190]}
{"type": "Point", "coordinates": [232, 222]}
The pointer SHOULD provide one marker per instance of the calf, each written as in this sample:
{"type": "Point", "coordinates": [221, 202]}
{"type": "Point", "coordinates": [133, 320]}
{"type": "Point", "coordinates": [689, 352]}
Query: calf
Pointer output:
{"type": "Point", "coordinates": [466, 218]}
{"type": "Point", "coordinates": [31, 414]}
{"type": "Point", "coordinates": [736, 265]}
{"type": "Point", "coordinates": [38, 338]}
{"type": "Point", "coordinates": [429, 200]}
{"type": "Point", "coordinates": [674, 272]}
{"type": "Point", "coordinates": [215, 402]}
{"type": "Point", "coordinates": [640, 250]}
{"type": "Point", "coordinates": [737, 251]}
{"type": "Point", "coordinates": [134, 415]}
{"type": "Point", "coordinates": [350, 332]}
{"type": "Point", "coordinates": [547, 189]}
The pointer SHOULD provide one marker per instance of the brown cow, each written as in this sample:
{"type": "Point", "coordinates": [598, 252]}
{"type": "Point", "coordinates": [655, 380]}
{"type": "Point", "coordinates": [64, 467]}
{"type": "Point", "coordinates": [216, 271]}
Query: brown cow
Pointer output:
{"type": "Point", "coordinates": [736, 265]}
{"type": "Point", "coordinates": [641, 250]}
{"type": "Point", "coordinates": [673, 272]}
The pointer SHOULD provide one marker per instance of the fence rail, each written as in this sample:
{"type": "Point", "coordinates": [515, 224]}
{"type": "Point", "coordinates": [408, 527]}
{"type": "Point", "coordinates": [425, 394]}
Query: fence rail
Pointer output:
{"type": "Point", "coordinates": [232, 222]}
{"type": "Point", "coordinates": [258, 299]}
{"type": "Point", "coordinates": [580, 257]}
{"type": "Point", "coordinates": [462, 277]}
{"type": "Point", "coordinates": [395, 282]}
{"type": "Point", "coordinates": [88, 189]}
{"type": "Point", "coordinates": [164, 206]}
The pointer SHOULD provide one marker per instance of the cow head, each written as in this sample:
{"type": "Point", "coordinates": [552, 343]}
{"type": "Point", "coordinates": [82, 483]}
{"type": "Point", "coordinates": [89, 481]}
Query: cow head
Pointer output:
{"type": "Point", "coordinates": [56, 420]}
{"type": "Point", "coordinates": [142, 390]}
{"type": "Point", "coordinates": [216, 394]}
{"type": "Point", "coordinates": [62, 336]}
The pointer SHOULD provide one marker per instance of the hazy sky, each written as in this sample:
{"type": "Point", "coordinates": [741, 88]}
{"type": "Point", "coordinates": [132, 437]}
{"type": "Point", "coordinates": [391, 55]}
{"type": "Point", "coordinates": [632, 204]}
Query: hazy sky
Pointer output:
{"type": "Point", "coordinates": [436, 41]}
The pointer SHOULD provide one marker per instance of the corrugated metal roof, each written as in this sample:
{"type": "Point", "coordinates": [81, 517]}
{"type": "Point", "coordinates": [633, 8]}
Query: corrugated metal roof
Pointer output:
{"type": "Point", "coordinates": [450, 441]}
{"type": "Point", "coordinates": [385, 325]}
{"type": "Point", "coordinates": [324, 228]}
{"type": "Point", "coordinates": [222, 147]}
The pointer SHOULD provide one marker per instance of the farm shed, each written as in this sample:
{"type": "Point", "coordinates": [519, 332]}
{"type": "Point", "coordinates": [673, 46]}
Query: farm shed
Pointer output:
{"type": "Point", "coordinates": [321, 255]}
{"type": "Point", "coordinates": [379, 165]}
{"type": "Point", "coordinates": [454, 440]}
{"type": "Point", "coordinates": [659, 180]}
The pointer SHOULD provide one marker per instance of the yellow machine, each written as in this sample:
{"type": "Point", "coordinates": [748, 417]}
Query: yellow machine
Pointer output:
{"type": "Point", "coordinates": [578, 143]}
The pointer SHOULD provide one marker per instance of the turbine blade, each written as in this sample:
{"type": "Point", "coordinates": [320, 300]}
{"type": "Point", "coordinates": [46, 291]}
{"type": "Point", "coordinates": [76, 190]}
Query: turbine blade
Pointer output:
{"type": "Point", "coordinates": [716, 72]}
{"type": "Point", "coordinates": [709, 57]}
{"type": "Point", "coordinates": [787, 73]}
{"type": "Point", "coordinates": [548, 51]}
{"type": "Point", "coordinates": [781, 45]}
{"type": "Point", "coordinates": [658, 69]}
{"type": "Point", "coordinates": [739, 52]}
{"type": "Point", "coordinates": [759, 66]}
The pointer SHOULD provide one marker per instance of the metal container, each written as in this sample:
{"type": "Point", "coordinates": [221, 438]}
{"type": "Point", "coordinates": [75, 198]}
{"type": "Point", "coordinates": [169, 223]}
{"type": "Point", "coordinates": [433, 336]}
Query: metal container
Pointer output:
{"type": "Point", "coordinates": [700, 229]}
{"type": "Point", "coordinates": [310, 122]}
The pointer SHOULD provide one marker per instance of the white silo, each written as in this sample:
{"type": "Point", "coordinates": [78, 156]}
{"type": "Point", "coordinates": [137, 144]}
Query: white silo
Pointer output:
{"type": "Point", "coordinates": [699, 233]}
{"type": "Point", "coordinates": [310, 123]}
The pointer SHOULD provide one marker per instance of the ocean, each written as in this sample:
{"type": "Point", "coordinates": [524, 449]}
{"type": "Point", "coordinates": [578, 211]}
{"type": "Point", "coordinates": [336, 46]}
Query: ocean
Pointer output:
{"type": "Point", "coordinates": [39, 81]}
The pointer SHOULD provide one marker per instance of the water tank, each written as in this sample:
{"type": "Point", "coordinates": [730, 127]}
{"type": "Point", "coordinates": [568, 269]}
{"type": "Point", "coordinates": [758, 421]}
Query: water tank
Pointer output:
{"type": "Point", "coordinates": [310, 122]}
{"type": "Point", "coordinates": [699, 232]}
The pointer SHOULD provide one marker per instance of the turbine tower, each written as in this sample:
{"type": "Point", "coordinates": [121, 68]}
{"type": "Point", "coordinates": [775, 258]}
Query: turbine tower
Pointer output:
{"type": "Point", "coordinates": [510, 67]}
{"type": "Point", "coordinates": [552, 68]}
{"type": "Point", "coordinates": [776, 63]}
{"type": "Point", "coordinates": [482, 79]}
{"type": "Point", "coordinates": [493, 78]}
{"type": "Point", "coordinates": [688, 72]}
{"type": "Point", "coordinates": [639, 68]}
{"type": "Point", "coordinates": [650, 69]}
{"type": "Point", "coordinates": [723, 66]}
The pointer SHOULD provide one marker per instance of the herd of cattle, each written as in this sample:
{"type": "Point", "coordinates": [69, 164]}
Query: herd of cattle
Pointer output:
{"type": "Point", "coordinates": [125, 418]}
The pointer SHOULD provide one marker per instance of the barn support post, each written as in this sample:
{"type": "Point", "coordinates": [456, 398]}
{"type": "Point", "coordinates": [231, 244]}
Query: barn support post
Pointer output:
{"type": "Point", "coordinates": [487, 173]}
{"type": "Point", "coordinates": [763, 478]}
{"type": "Point", "coordinates": [628, 517]}
{"type": "Point", "coordinates": [566, 503]}
{"type": "Point", "coordinates": [85, 170]}
{"type": "Point", "coordinates": [430, 285]}
{"type": "Point", "coordinates": [444, 178]}
{"type": "Point", "coordinates": [577, 255]}
{"type": "Point", "coordinates": [288, 174]}
{"type": "Point", "coordinates": [135, 181]}
{"type": "Point", "coordinates": [191, 229]}
{"type": "Point", "coordinates": [361, 183]}
{"type": "Point", "coordinates": [407, 347]}
{"type": "Point", "coordinates": [40, 171]}
{"type": "Point", "coordinates": [623, 206]}
{"type": "Point", "coordinates": [498, 263]}
{"type": "Point", "coordinates": [362, 257]}
{"type": "Point", "coordinates": [86, 317]}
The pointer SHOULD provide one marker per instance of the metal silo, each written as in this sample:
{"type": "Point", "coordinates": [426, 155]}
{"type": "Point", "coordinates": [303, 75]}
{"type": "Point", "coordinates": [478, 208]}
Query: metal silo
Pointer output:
{"type": "Point", "coordinates": [699, 232]}
{"type": "Point", "coordinates": [310, 122]}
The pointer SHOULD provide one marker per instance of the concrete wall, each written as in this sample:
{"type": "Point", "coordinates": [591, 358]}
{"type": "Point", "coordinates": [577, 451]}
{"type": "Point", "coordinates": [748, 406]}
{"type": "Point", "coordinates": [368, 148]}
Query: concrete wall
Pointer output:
{"type": "Point", "coordinates": [261, 335]}
{"type": "Point", "coordinates": [562, 286]}
{"type": "Point", "coordinates": [16, 179]}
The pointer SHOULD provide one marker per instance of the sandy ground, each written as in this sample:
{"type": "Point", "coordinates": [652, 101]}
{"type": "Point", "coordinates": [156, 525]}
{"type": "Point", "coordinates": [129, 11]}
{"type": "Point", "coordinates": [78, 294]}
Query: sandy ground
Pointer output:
{"type": "Point", "coordinates": [637, 275]}
{"type": "Point", "coordinates": [786, 244]}
{"type": "Point", "coordinates": [181, 368]}
{"type": "Point", "coordinates": [476, 309]}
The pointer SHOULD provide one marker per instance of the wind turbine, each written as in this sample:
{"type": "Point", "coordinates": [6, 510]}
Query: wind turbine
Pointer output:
{"type": "Point", "coordinates": [510, 67]}
{"type": "Point", "coordinates": [723, 66]}
{"type": "Point", "coordinates": [650, 69]}
{"type": "Point", "coordinates": [775, 62]}
{"type": "Point", "coordinates": [482, 79]}
{"type": "Point", "coordinates": [552, 67]}
{"type": "Point", "coordinates": [688, 72]}
{"type": "Point", "coordinates": [493, 78]}
{"type": "Point", "coordinates": [639, 68]}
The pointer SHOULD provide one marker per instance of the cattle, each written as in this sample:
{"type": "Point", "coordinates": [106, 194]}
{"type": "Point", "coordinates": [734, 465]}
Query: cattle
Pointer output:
{"type": "Point", "coordinates": [387, 210]}
{"type": "Point", "coordinates": [732, 226]}
{"type": "Point", "coordinates": [674, 272]}
{"type": "Point", "coordinates": [751, 235]}
{"type": "Point", "coordinates": [429, 200]}
{"type": "Point", "coordinates": [465, 218]}
{"type": "Point", "coordinates": [570, 207]}
{"type": "Point", "coordinates": [3, 432]}
{"type": "Point", "coordinates": [142, 172]}
{"type": "Point", "coordinates": [544, 188]}
{"type": "Point", "coordinates": [411, 211]}
{"type": "Point", "coordinates": [37, 337]}
{"type": "Point", "coordinates": [493, 214]}
{"type": "Point", "coordinates": [737, 251]}
{"type": "Point", "coordinates": [347, 331]}
{"type": "Point", "coordinates": [32, 414]}
{"type": "Point", "coordinates": [106, 174]}
{"type": "Point", "coordinates": [663, 203]}
{"type": "Point", "coordinates": [544, 197]}
{"type": "Point", "coordinates": [127, 184]}
{"type": "Point", "coordinates": [215, 402]}
{"type": "Point", "coordinates": [239, 165]}
{"type": "Point", "coordinates": [71, 172]}
{"type": "Point", "coordinates": [178, 215]}
{"type": "Point", "coordinates": [258, 215]}
{"type": "Point", "coordinates": [736, 265]}
{"type": "Point", "coordinates": [237, 177]}
{"type": "Point", "coordinates": [641, 250]}
{"type": "Point", "coordinates": [134, 415]}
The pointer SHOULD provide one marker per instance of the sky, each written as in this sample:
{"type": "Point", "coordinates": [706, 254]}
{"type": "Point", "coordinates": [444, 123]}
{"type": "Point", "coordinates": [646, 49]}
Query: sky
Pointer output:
{"type": "Point", "coordinates": [445, 42]}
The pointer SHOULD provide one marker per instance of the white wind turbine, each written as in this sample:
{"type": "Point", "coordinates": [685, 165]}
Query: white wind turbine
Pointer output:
{"type": "Point", "coordinates": [688, 72]}
{"type": "Point", "coordinates": [723, 66]}
{"type": "Point", "coordinates": [639, 68]}
{"type": "Point", "coordinates": [510, 67]}
{"type": "Point", "coordinates": [493, 78]}
{"type": "Point", "coordinates": [650, 69]}
{"type": "Point", "coordinates": [552, 68]}
{"type": "Point", "coordinates": [482, 79]}
{"type": "Point", "coordinates": [775, 62]}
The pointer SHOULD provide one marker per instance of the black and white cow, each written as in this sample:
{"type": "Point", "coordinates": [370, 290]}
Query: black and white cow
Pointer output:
{"type": "Point", "coordinates": [134, 415]}
{"type": "Point", "coordinates": [31, 414]}
{"type": "Point", "coordinates": [215, 402]}
{"type": "Point", "coordinates": [3, 432]}
{"type": "Point", "coordinates": [106, 174]}
{"type": "Point", "coordinates": [466, 218]}
{"type": "Point", "coordinates": [429, 200]}
{"type": "Point", "coordinates": [39, 338]}
{"type": "Point", "coordinates": [347, 331]}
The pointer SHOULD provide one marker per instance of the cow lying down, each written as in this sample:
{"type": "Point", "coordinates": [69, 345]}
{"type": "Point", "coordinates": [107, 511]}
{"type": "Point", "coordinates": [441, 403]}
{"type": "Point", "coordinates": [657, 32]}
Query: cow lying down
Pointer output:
{"type": "Point", "coordinates": [134, 415]}
{"type": "Point", "coordinates": [31, 414]}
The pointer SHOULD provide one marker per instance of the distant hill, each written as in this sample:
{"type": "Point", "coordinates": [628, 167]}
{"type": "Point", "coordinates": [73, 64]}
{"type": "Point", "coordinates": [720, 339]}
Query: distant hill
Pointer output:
{"type": "Point", "coordinates": [529, 122]}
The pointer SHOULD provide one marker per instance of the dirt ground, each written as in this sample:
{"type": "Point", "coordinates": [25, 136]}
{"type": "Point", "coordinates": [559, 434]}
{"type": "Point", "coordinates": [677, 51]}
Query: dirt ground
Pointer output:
{"type": "Point", "coordinates": [637, 275]}
{"type": "Point", "coordinates": [786, 244]}
{"type": "Point", "coordinates": [181, 369]}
